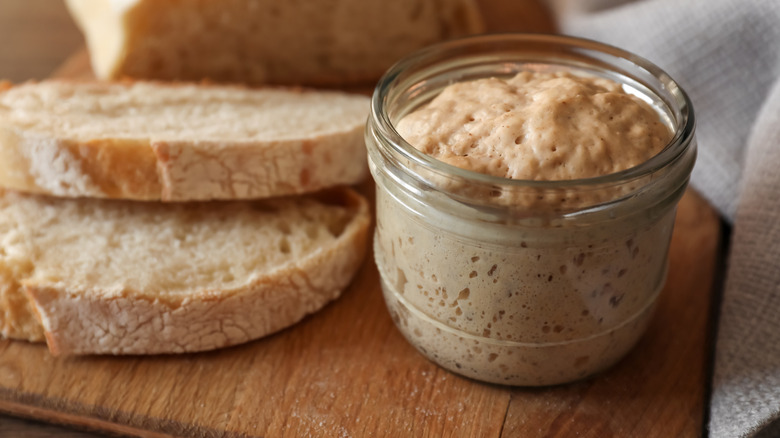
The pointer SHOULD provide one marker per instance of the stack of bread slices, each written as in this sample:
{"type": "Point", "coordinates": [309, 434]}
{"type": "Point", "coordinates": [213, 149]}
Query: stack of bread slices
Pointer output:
{"type": "Point", "coordinates": [142, 217]}
{"type": "Point", "coordinates": [163, 217]}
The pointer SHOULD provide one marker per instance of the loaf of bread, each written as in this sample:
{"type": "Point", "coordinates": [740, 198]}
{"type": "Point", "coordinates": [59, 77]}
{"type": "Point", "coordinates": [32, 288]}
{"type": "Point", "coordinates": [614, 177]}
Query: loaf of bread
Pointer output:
{"type": "Point", "coordinates": [264, 41]}
{"type": "Point", "coordinates": [177, 142]}
{"type": "Point", "coordinates": [126, 277]}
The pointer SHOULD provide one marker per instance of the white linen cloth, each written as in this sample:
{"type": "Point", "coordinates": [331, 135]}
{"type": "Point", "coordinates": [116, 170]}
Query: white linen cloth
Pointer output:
{"type": "Point", "coordinates": [726, 55]}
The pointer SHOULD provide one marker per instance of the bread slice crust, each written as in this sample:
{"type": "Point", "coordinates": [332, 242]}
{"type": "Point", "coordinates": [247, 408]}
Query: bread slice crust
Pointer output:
{"type": "Point", "coordinates": [38, 155]}
{"type": "Point", "coordinates": [264, 41]}
{"type": "Point", "coordinates": [80, 316]}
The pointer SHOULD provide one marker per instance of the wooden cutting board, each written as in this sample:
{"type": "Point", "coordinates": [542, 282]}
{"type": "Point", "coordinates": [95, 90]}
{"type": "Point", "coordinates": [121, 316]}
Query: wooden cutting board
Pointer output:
{"type": "Point", "coordinates": [347, 372]}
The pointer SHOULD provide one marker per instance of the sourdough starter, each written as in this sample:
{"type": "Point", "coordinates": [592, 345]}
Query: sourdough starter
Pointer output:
{"type": "Point", "coordinates": [528, 305]}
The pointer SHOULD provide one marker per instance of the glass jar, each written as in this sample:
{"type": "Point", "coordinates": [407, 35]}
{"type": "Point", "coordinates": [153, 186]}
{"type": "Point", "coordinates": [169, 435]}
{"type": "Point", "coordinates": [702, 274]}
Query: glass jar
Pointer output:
{"type": "Point", "coordinates": [514, 281]}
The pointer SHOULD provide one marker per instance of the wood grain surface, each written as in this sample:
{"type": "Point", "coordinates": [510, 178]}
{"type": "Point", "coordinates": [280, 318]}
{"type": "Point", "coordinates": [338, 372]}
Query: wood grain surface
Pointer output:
{"type": "Point", "coordinates": [347, 372]}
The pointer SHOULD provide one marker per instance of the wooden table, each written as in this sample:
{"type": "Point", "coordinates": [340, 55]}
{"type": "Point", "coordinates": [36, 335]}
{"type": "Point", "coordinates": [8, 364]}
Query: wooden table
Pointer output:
{"type": "Point", "coordinates": [346, 371]}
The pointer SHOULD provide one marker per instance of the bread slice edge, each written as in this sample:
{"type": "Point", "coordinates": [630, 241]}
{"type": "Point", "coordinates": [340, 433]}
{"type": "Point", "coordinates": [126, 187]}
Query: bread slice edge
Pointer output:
{"type": "Point", "coordinates": [77, 322]}
{"type": "Point", "coordinates": [155, 169]}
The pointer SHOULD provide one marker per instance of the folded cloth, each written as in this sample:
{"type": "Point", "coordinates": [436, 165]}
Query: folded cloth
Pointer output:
{"type": "Point", "coordinates": [726, 55]}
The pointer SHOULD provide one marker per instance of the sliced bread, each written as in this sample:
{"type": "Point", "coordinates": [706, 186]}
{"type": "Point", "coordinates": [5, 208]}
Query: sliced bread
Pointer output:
{"type": "Point", "coordinates": [264, 41]}
{"type": "Point", "coordinates": [125, 277]}
{"type": "Point", "coordinates": [178, 142]}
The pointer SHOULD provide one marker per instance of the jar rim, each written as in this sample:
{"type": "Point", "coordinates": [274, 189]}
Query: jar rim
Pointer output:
{"type": "Point", "coordinates": [683, 130]}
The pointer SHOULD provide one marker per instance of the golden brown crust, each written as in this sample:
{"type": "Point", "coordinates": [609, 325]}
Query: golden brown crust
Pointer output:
{"type": "Point", "coordinates": [17, 316]}
{"type": "Point", "coordinates": [105, 168]}
{"type": "Point", "coordinates": [124, 169]}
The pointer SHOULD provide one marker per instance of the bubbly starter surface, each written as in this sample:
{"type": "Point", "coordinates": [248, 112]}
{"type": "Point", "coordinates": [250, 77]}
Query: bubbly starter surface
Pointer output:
{"type": "Point", "coordinates": [537, 126]}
